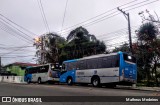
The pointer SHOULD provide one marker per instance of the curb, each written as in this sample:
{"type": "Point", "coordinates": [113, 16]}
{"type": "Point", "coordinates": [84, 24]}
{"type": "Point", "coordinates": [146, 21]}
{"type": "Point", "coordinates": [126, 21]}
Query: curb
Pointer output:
{"type": "Point", "coordinates": [130, 88]}
{"type": "Point", "coordinates": [14, 83]}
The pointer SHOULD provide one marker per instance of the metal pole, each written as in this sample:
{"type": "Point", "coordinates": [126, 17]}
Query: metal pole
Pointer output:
{"type": "Point", "coordinates": [0, 65]}
{"type": "Point", "coordinates": [129, 29]}
{"type": "Point", "coordinates": [42, 58]}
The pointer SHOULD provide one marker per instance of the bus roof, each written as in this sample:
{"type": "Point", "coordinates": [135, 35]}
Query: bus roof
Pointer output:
{"type": "Point", "coordinates": [39, 65]}
{"type": "Point", "coordinates": [93, 56]}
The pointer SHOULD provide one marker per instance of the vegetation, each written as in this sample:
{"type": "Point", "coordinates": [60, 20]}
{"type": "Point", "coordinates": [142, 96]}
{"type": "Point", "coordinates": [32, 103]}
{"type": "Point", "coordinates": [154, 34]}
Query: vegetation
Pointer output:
{"type": "Point", "coordinates": [79, 43]}
{"type": "Point", "coordinates": [147, 52]}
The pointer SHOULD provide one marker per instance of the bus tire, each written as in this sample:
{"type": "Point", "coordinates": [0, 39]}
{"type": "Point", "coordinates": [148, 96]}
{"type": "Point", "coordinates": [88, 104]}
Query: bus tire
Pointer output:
{"type": "Point", "coordinates": [95, 81]}
{"type": "Point", "coordinates": [39, 81]}
{"type": "Point", "coordinates": [69, 81]}
{"type": "Point", "coordinates": [28, 81]}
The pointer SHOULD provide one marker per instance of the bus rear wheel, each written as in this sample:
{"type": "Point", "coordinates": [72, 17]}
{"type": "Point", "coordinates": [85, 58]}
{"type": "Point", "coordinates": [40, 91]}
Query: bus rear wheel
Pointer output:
{"type": "Point", "coordinates": [96, 82]}
{"type": "Point", "coordinates": [69, 81]}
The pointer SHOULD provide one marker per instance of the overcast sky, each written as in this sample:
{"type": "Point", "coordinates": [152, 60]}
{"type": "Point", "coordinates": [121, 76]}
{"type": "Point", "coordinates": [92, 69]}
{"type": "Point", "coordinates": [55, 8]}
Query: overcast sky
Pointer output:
{"type": "Point", "coordinates": [26, 13]}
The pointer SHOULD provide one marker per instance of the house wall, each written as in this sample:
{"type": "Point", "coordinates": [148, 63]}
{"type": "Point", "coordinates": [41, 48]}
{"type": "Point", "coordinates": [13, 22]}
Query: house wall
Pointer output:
{"type": "Point", "coordinates": [17, 70]}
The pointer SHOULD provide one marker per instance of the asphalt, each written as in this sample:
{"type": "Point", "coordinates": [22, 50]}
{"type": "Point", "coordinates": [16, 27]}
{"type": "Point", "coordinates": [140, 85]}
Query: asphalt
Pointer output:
{"type": "Point", "coordinates": [8, 89]}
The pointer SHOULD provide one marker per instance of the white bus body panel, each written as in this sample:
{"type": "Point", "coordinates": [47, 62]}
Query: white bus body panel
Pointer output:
{"type": "Point", "coordinates": [43, 76]}
{"type": "Point", "coordinates": [106, 75]}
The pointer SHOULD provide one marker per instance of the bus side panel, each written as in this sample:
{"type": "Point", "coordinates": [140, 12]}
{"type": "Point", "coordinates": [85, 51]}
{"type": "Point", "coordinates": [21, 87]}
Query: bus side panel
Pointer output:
{"type": "Point", "coordinates": [121, 68]}
{"type": "Point", "coordinates": [106, 75]}
{"type": "Point", "coordinates": [64, 76]}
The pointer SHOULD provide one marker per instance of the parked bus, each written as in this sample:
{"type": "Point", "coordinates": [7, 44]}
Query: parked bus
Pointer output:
{"type": "Point", "coordinates": [112, 69]}
{"type": "Point", "coordinates": [42, 73]}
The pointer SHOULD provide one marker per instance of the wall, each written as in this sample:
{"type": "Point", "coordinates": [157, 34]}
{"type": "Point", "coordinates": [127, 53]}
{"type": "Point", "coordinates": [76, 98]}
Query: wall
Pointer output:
{"type": "Point", "coordinates": [16, 69]}
{"type": "Point", "coordinates": [12, 79]}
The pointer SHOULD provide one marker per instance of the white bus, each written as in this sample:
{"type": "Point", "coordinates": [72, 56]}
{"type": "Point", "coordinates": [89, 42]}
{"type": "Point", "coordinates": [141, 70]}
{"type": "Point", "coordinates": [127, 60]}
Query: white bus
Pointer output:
{"type": "Point", "coordinates": [42, 73]}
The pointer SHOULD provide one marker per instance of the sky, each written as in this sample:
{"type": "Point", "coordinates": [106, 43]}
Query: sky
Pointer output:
{"type": "Point", "coordinates": [100, 17]}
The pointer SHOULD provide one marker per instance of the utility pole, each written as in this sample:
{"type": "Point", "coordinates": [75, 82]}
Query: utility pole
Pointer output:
{"type": "Point", "coordinates": [0, 65]}
{"type": "Point", "coordinates": [42, 50]}
{"type": "Point", "coordinates": [129, 27]}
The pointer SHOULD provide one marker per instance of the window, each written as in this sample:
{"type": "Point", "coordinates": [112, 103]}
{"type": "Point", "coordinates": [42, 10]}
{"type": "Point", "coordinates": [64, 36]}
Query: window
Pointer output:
{"type": "Point", "coordinates": [55, 67]}
{"type": "Point", "coordinates": [91, 63]}
{"type": "Point", "coordinates": [43, 69]}
{"type": "Point", "coordinates": [81, 65]}
{"type": "Point", "coordinates": [110, 61]}
{"type": "Point", "coordinates": [33, 70]}
{"type": "Point", "coordinates": [129, 58]}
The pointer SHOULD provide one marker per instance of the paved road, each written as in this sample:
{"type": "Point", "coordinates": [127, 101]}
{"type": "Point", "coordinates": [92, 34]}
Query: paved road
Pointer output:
{"type": "Point", "coordinates": [65, 90]}
{"type": "Point", "coordinates": [7, 89]}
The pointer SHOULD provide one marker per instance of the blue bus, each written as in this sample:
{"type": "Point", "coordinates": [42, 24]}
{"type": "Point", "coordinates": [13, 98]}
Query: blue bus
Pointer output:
{"type": "Point", "coordinates": [42, 73]}
{"type": "Point", "coordinates": [110, 69]}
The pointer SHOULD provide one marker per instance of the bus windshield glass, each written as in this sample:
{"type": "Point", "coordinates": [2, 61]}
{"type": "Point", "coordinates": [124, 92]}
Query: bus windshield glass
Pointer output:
{"type": "Point", "coordinates": [55, 67]}
{"type": "Point", "coordinates": [129, 58]}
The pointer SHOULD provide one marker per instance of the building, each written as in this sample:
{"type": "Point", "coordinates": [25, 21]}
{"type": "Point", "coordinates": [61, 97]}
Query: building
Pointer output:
{"type": "Point", "coordinates": [17, 68]}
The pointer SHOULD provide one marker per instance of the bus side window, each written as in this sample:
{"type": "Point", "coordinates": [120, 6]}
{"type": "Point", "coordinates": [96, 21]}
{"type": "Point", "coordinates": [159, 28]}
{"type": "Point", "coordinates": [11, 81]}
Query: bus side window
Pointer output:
{"type": "Point", "coordinates": [82, 65]}
{"type": "Point", "coordinates": [43, 69]}
{"type": "Point", "coordinates": [105, 63]}
{"type": "Point", "coordinates": [99, 63]}
{"type": "Point", "coordinates": [46, 68]}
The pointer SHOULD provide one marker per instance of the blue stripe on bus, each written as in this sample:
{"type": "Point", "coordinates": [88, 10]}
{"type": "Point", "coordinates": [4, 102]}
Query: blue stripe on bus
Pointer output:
{"type": "Point", "coordinates": [99, 76]}
{"type": "Point", "coordinates": [70, 61]}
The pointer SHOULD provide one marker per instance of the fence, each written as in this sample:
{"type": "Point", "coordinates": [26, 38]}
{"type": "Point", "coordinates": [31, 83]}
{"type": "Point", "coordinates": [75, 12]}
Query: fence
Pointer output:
{"type": "Point", "coordinates": [12, 79]}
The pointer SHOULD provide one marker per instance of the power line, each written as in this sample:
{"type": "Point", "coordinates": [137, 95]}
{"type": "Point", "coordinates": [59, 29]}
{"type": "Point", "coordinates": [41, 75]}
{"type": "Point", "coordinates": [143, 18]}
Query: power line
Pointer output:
{"type": "Point", "coordinates": [64, 15]}
{"type": "Point", "coordinates": [141, 5]}
{"type": "Point", "coordinates": [16, 56]}
{"type": "Point", "coordinates": [18, 47]}
{"type": "Point", "coordinates": [4, 22]}
{"type": "Point", "coordinates": [97, 16]}
{"type": "Point", "coordinates": [43, 15]}
{"type": "Point", "coordinates": [12, 51]}
{"type": "Point", "coordinates": [8, 30]}
{"type": "Point", "coordinates": [102, 19]}
{"type": "Point", "coordinates": [113, 14]}
{"type": "Point", "coordinates": [17, 25]}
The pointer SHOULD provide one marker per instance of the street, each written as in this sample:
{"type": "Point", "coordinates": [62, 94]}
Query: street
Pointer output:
{"type": "Point", "coordinates": [7, 89]}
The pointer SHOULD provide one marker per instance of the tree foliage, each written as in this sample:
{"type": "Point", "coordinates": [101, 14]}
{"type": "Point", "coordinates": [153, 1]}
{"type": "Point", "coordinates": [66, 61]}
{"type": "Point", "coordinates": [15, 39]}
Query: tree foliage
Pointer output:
{"type": "Point", "coordinates": [81, 43]}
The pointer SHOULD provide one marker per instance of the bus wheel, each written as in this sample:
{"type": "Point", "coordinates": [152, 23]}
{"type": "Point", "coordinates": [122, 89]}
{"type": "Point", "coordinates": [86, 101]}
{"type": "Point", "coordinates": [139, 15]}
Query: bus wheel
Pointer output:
{"type": "Point", "coordinates": [28, 81]}
{"type": "Point", "coordinates": [69, 81]}
{"type": "Point", "coordinates": [96, 82]}
{"type": "Point", "coordinates": [39, 81]}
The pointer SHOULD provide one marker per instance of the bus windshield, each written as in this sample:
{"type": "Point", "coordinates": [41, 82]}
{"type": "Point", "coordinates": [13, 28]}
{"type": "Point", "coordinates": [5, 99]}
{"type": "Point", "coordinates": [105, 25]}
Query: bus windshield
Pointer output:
{"type": "Point", "coordinates": [129, 58]}
{"type": "Point", "coordinates": [55, 67]}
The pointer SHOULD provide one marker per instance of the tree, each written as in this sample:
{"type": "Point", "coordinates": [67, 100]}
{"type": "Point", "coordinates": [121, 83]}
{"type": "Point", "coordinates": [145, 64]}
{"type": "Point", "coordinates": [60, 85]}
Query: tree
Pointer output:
{"type": "Point", "coordinates": [147, 35]}
{"type": "Point", "coordinates": [81, 43]}
{"type": "Point", "coordinates": [49, 48]}
{"type": "Point", "coordinates": [123, 48]}
{"type": "Point", "coordinates": [53, 46]}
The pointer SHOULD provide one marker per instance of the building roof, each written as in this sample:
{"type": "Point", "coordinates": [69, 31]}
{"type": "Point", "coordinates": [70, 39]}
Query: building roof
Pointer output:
{"type": "Point", "coordinates": [22, 64]}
